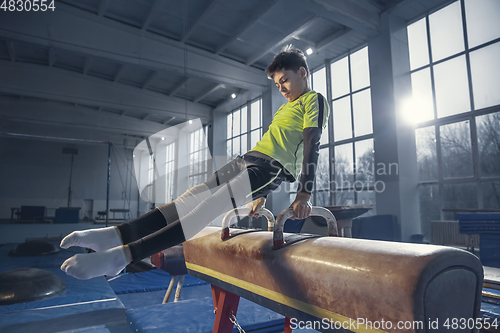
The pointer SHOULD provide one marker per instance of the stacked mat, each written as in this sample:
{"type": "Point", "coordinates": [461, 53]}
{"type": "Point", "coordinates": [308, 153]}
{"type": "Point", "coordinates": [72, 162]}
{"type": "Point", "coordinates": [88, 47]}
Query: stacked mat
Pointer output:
{"type": "Point", "coordinates": [487, 226]}
{"type": "Point", "coordinates": [83, 306]}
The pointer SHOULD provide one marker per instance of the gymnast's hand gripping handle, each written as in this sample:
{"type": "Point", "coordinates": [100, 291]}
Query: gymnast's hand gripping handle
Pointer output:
{"type": "Point", "coordinates": [244, 211]}
{"type": "Point", "coordinates": [278, 240]}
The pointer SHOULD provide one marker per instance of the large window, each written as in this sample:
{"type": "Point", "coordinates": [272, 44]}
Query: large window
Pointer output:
{"type": "Point", "coordinates": [244, 128]}
{"type": "Point", "coordinates": [351, 177]}
{"type": "Point", "coordinates": [455, 76]}
{"type": "Point", "coordinates": [198, 157]}
{"type": "Point", "coordinates": [169, 171]}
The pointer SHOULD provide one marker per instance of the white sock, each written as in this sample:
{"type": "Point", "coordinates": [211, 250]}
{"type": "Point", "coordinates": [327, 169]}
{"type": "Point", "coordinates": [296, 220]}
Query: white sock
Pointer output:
{"type": "Point", "coordinates": [85, 266]}
{"type": "Point", "coordinates": [99, 239]}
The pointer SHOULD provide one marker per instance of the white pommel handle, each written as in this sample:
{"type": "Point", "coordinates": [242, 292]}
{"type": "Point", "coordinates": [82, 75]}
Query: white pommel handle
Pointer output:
{"type": "Point", "coordinates": [244, 211]}
{"type": "Point", "coordinates": [278, 240]}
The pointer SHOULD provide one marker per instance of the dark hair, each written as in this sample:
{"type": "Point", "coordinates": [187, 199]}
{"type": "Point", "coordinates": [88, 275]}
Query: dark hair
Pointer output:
{"type": "Point", "coordinates": [289, 58]}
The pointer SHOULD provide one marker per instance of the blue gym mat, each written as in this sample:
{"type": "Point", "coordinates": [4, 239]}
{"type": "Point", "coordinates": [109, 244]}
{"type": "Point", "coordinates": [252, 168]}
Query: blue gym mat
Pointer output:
{"type": "Point", "coordinates": [84, 303]}
{"type": "Point", "coordinates": [152, 280]}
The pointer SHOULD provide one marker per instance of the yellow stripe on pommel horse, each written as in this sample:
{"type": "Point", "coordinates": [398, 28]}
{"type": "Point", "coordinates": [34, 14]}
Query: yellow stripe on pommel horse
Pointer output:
{"type": "Point", "coordinates": [360, 285]}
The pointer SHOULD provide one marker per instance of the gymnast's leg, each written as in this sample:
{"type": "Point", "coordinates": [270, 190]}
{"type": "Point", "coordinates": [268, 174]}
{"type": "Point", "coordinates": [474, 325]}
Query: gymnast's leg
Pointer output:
{"type": "Point", "coordinates": [101, 239]}
{"type": "Point", "coordinates": [110, 262]}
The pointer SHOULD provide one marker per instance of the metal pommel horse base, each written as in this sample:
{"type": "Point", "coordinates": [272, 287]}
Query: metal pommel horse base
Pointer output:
{"type": "Point", "coordinates": [340, 280]}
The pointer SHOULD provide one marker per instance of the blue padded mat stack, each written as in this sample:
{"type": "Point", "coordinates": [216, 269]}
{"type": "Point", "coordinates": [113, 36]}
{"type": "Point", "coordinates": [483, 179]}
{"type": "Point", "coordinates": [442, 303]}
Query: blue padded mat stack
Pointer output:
{"type": "Point", "coordinates": [171, 317]}
{"type": "Point", "coordinates": [83, 306]}
{"type": "Point", "coordinates": [142, 294]}
{"type": "Point", "coordinates": [487, 226]}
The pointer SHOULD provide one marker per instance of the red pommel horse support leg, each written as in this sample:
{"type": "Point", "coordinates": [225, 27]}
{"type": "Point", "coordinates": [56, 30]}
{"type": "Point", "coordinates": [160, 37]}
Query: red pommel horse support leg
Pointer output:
{"type": "Point", "coordinates": [225, 308]}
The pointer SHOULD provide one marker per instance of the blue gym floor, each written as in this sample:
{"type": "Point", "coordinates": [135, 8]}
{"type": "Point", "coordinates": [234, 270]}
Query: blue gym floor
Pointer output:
{"type": "Point", "coordinates": [132, 302]}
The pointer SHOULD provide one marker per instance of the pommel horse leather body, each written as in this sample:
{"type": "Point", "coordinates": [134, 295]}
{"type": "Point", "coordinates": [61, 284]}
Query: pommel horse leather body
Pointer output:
{"type": "Point", "coordinates": [341, 279]}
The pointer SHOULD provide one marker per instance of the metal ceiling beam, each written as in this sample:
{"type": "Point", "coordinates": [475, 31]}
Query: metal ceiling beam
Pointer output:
{"type": "Point", "coordinates": [168, 120]}
{"type": "Point", "coordinates": [217, 87]}
{"type": "Point", "coordinates": [281, 38]}
{"type": "Point", "coordinates": [60, 85]}
{"type": "Point", "coordinates": [152, 12]}
{"type": "Point", "coordinates": [31, 112]}
{"type": "Point", "coordinates": [86, 67]}
{"type": "Point", "coordinates": [179, 86]}
{"type": "Point", "coordinates": [86, 34]}
{"type": "Point", "coordinates": [149, 80]}
{"type": "Point", "coordinates": [44, 130]}
{"type": "Point", "coordinates": [346, 12]}
{"type": "Point", "coordinates": [205, 12]}
{"type": "Point", "coordinates": [268, 5]}
{"type": "Point", "coordinates": [52, 56]}
{"type": "Point", "coordinates": [371, 5]}
{"type": "Point", "coordinates": [102, 7]}
{"type": "Point", "coordinates": [120, 72]}
{"type": "Point", "coordinates": [232, 103]}
{"type": "Point", "coordinates": [12, 50]}
{"type": "Point", "coordinates": [322, 44]}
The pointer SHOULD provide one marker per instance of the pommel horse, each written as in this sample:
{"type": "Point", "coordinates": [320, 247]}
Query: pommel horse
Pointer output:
{"type": "Point", "coordinates": [311, 278]}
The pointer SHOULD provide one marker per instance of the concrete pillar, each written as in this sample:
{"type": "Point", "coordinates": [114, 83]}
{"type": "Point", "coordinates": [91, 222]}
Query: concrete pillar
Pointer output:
{"type": "Point", "coordinates": [394, 139]}
{"type": "Point", "coordinates": [217, 141]}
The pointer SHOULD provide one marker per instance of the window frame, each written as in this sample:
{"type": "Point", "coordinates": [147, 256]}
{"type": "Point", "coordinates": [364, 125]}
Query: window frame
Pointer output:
{"type": "Point", "coordinates": [469, 116]}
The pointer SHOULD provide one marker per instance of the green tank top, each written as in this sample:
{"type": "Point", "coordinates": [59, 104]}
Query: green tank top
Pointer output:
{"type": "Point", "coordinates": [283, 141]}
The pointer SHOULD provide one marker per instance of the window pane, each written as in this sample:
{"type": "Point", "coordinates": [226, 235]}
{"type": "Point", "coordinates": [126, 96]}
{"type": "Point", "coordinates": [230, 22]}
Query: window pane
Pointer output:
{"type": "Point", "coordinates": [254, 137]}
{"type": "Point", "coordinates": [417, 40]}
{"type": "Point", "coordinates": [488, 137]}
{"type": "Point", "coordinates": [485, 71]}
{"type": "Point", "coordinates": [360, 74]}
{"type": "Point", "coordinates": [244, 117]}
{"type": "Point", "coordinates": [344, 198]}
{"type": "Point", "coordinates": [456, 150]}
{"type": "Point", "coordinates": [244, 144]}
{"type": "Point", "coordinates": [236, 123]}
{"type": "Point", "coordinates": [344, 166]}
{"type": "Point", "coordinates": [255, 114]}
{"type": "Point", "coordinates": [362, 110]}
{"type": "Point", "coordinates": [422, 107]}
{"type": "Point", "coordinates": [230, 125]}
{"type": "Point", "coordinates": [323, 199]}
{"type": "Point", "coordinates": [324, 135]}
{"type": "Point", "coordinates": [482, 21]}
{"type": "Point", "coordinates": [458, 196]}
{"type": "Point", "coordinates": [236, 146]}
{"type": "Point", "coordinates": [491, 195]}
{"type": "Point", "coordinates": [228, 147]}
{"type": "Point", "coordinates": [446, 31]}
{"type": "Point", "coordinates": [342, 119]}
{"type": "Point", "coordinates": [323, 171]}
{"type": "Point", "coordinates": [196, 140]}
{"type": "Point", "coordinates": [319, 81]}
{"type": "Point", "coordinates": [340, 78]}
{"type": "Point", "coordinates": [452, 87]}
{"type": "Point", "coordinates": [364, 164]}
{"type": "Point", "coordinates": [426, 153]}
{"type": "Point", "coordinates": [430, 206]}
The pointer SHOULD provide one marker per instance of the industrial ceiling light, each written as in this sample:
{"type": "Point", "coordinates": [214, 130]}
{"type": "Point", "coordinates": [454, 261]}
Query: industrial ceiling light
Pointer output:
{"type": "Point", "coordinates": [309, 51]}
{"type": "Point", "coordinates": [233, 95]}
